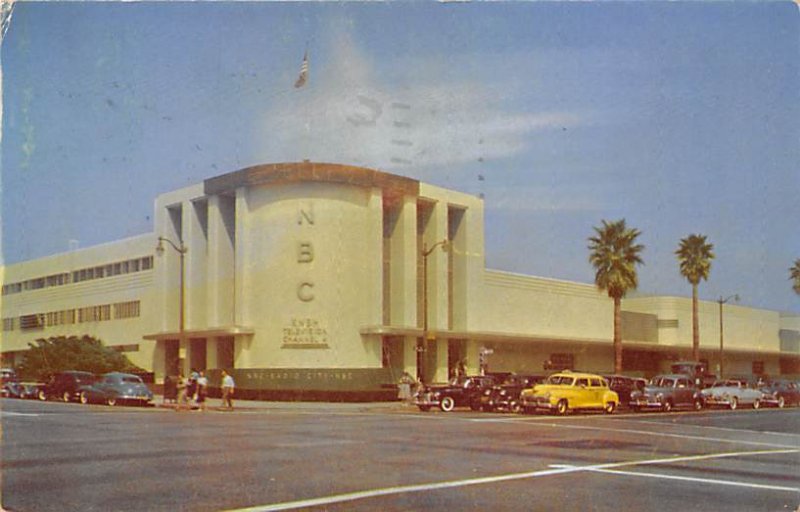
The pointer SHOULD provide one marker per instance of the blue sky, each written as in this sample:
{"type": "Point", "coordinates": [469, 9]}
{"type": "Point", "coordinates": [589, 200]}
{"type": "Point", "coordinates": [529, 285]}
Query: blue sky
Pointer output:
{"type": "Point", "coordinates": [679, 117]}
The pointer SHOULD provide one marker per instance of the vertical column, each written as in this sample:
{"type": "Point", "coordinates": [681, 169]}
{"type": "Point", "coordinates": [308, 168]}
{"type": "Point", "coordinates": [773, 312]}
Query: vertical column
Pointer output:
{"type": "Point", "coordinates": [212, 359]}
{"type": "Point", "coordinates": [240, 313]}
{"type": "Point", "coordinates": [473, 357]}
{"type": "Point", "coordinates": [403, 305]}
{"type": "Point", "coordinates": [195, 229]}
{"type": "Point", "coordinates": [220, 299]}
{"type": "Point", "coordinates": [435, 232]}
{"type": "Point", "coordinates": [374, 248]}
{"type": "Point", "coordinates": [410, 355]}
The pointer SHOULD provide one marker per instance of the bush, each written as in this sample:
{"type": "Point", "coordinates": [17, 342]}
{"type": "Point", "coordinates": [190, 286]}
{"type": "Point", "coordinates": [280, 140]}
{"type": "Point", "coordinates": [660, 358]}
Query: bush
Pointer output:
{"type": "Point", "coordinates": [60, 353]}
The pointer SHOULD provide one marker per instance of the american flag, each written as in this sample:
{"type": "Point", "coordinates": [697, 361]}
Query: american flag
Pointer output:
{"type": "Point", "coordinates": [301, 80]}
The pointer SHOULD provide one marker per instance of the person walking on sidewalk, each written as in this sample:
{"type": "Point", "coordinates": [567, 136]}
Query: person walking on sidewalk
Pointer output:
{"type": "Point", "coordinates": [181, 400]}
{"type": "Point", "coordinates": [202, 387]}
{"type": "Point", "coordinates": [227, 390]}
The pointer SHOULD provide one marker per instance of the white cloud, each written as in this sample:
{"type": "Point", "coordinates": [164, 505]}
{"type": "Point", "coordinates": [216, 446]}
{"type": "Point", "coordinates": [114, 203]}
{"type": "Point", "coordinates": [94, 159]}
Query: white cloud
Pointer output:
{"type": "Point", "coordinates": [347, 114]}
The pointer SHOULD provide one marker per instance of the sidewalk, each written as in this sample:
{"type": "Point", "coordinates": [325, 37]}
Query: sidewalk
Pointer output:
{"type": "Point", "coordinates": [214, 404]}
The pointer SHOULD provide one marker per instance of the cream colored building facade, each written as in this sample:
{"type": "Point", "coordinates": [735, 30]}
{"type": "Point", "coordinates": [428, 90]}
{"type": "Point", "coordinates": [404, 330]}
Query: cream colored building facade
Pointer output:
{"type": "Point", "coordinates": [336, 279]}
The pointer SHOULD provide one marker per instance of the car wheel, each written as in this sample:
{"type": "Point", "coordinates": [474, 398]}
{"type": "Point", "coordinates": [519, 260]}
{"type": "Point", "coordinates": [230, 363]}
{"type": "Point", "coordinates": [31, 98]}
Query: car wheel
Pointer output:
{"type": "Point", "coordinates": [424, 408]}
{"type": "Point", "coordinates": [698, 404]}
{"type": "Point", "coordinates": [111, 401]}
{"type": "Point", "coordinates": [475, 405]}
{"type": "Point", "coordinates": [42, 395]}
{"type": "Point", "coordinates": [636, 408]}
{"type": "Point", "coordinates": [487, 408]}
{"type": "Point", "coordinates": [756, 403]}
{"type": "Point", "coordinates": [562, 407]}
{"type": "Point", "coordinates": [667, 407]}
{"type": "Point", "coordinates": [65, 396]}
{"type": "Point", "coordinates": [447, 404]}
{"type": "Point", "coordinates": [610, 407]}
{"type": "Point", "coordinates": [84, 398]}
{"type": "Point", "coordinates": [514, 406]}
{"type": "Point", "coordinates": [781, 402]}
{"type": "Point", "coordinates": [734, 403]}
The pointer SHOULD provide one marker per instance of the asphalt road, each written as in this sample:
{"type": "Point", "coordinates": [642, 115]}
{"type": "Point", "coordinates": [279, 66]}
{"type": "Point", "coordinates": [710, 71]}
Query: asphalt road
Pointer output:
{"type": "Point", "coordinates": [386, 457]}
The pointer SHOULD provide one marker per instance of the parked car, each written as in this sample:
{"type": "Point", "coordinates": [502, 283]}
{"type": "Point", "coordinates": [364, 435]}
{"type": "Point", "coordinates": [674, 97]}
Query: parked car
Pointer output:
{"type": "Point", "coordinates": [30, 390]}
{"type": "Point", "coordinates": [505, 396]}
{"type": "Point", "coordinates": [695, 370]}
{"type": "Point", "coordinates": [117, 388]}
{"type": "Point", "coordinates": [567, 390]}
{"type": "Point", "coordinates": [623, 386]}
{"type": "Point", "coordinates": [779, 393]}
{"type": "Point", "coordinates": [66, 386]}
{"type": "Point", "coordinates": [667, 392]}
{"type": "Point", "coordinates": [459, 392]}
{"type": "Point", "coordinates": [732, 393]}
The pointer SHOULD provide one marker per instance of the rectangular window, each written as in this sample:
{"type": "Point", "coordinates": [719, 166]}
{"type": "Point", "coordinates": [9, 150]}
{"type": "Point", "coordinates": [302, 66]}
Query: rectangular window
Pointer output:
{"type": "Point", "coordinates": [8, 324]}
{"type": "Point", "coordinates": [126, 309]}
{"type": "Point", "coordinates": [560, 362]}
{"type": "Point", "coordinates": [147, 263]}
{"type": "Point", "coordinates": [28, 322]}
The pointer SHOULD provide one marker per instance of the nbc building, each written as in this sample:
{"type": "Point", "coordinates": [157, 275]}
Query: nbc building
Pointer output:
{"type": "Point", "coordinates": [324, 280]}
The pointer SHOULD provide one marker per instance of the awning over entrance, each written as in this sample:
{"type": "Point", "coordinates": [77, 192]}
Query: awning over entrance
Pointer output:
{"type": "Point", "coordinates": [231, 330]}
{"type": "Point", "coordinates": [487, 336]}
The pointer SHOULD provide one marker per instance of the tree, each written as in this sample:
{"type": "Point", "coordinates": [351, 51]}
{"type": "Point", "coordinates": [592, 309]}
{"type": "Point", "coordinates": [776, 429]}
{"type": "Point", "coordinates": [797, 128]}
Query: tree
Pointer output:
{"type": "Point", "coordinates": [614, 255]}
{"type": "Point", "coordinates": [694, 255]}
{"type": "Point", "coordinates": [60, 353]}
{"type": "Point", "coordinates": [794, 275]}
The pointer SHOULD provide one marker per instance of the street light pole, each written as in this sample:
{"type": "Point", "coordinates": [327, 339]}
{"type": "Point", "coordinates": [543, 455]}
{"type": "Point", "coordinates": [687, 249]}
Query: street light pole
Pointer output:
{"type": "Point", "coordinates": [421, 348]}
{"type": "Point", "coordinates": [722, 301]}
{"type": "Point", "coordinates": [182, 252]}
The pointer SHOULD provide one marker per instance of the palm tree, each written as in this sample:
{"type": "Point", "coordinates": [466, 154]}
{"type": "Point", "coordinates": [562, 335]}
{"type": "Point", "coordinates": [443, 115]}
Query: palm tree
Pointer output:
{"type": "Point", "coordinates": [694, 255]}
{"type": "Point", "coordinates": [614, 255]}
{"type": "Point", "coordinates": [794, 275]}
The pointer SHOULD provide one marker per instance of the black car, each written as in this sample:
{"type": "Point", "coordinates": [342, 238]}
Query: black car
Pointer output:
{"type": "Point", "coordinates": [66, 386]}
{"type": "Point", "coordinates": [624, 386]}
{"type": "Point", "coordinates": [505, 396]}
{"type": "Point", "coordinates": [459, 392]}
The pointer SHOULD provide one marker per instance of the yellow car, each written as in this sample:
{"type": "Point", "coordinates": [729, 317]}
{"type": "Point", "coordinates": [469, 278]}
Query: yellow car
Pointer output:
{"type": "Point", "coordinates": [570, 390]}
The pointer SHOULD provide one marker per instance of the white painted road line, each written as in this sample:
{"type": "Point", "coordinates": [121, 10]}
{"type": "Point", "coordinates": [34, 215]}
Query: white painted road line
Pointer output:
{"type": "Point", "coordinates": [655, 434]}
{"type": "Point", "coordinates": [710, 427]}
{"type": "Point", "coordinates": [696, 480]}
{"type": "Point", "coordinates": [12, 413]}
{"type": "Point", "coordinates": [373, 493]}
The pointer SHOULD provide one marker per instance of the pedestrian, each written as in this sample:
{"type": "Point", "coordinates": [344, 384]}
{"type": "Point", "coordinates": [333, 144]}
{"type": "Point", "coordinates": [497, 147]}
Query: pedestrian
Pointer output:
{"type": "Point", "coordinates": [404, 388]}
{"type": "Point", "coordinates": [227, 390]}
{"type": "Point", "coordinates": [202, 389]}
{"type": "Point", "coordinates": [191, 391]}
{"type": "Point", "coordinates": [182, 386]}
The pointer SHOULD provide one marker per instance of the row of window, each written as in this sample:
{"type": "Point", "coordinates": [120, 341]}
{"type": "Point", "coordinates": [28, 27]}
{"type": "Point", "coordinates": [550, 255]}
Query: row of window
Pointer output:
{"type": "Point", "coordinates": [118, 311]}
{"type": "Point", "coordinates": [84, 274]}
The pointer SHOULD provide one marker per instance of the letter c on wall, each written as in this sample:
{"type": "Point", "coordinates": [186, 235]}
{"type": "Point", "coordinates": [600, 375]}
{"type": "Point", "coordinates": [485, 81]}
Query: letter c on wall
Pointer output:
{"type": "Point", "coordinates": [304, 292]}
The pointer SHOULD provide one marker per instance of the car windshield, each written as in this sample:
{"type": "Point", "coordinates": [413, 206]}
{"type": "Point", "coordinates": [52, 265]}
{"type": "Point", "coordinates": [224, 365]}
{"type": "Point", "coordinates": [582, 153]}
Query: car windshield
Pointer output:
{"type": "Point", "coordinates": [132, 380]}
{"type": "Point", "coordinates": [512, 381]}
{"type": "Point", "coordinates": [563, 380]}
{"type": "Point", "coordinates": [662, 382]}
{"type": "Point", "coordinates": [84, 379]}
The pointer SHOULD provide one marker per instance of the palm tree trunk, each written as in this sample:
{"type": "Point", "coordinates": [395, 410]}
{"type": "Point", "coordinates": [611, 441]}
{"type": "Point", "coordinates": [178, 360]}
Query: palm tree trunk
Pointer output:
{"type": "Point", "coordinates": [617, 335]}
{"type": "Point", "coordinates": [695, 326]}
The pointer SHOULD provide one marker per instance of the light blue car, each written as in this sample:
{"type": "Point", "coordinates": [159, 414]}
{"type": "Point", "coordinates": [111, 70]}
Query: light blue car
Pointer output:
{"type": "Point", "coordinates": [732, 393]}
{"type": "Point", "coordinates": [117, 388]}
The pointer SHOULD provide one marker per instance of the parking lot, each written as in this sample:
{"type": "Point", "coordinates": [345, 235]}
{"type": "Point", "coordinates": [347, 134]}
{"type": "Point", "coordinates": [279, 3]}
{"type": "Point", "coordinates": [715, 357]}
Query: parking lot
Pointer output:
{"type": "Point", "coordinates": [284, 456]}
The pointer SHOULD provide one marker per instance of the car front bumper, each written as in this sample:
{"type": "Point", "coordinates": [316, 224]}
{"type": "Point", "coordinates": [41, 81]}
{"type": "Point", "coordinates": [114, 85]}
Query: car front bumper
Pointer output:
{"type": "Point", "coordinates": [645, 403]}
